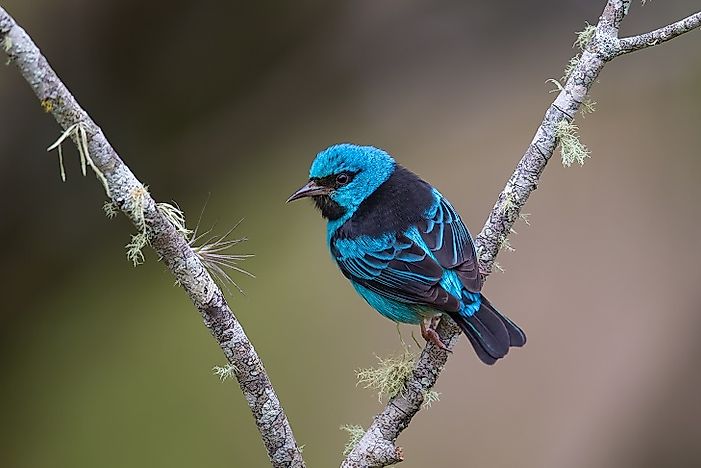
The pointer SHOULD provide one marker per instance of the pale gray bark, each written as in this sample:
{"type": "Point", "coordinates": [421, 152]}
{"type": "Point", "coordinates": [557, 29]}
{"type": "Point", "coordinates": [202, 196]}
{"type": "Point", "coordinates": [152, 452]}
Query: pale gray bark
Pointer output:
{"type": "Point", "coordinates": [170, 245]}
{"type": "Point", "coordinates": [378, 447]}
{"type": "Point", "coordinates": [658, 36]}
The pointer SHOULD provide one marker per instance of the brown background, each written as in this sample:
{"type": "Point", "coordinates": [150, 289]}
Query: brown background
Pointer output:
{"type": "Point", "coordinates": [105, 365]}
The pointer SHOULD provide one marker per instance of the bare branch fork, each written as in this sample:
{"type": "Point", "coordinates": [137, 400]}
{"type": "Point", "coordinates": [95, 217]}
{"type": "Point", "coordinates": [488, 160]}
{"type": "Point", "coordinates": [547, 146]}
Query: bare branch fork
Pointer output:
{"type": "Point", "coordinates": [129, 194]}
{"type": "Point", "coordinates": [377, 447]}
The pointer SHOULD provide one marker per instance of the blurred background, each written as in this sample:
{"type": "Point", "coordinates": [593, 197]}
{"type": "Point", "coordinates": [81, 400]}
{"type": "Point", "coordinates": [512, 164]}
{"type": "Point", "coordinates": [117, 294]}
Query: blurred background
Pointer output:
{"type": "Point", "coordinates": [103, 364]}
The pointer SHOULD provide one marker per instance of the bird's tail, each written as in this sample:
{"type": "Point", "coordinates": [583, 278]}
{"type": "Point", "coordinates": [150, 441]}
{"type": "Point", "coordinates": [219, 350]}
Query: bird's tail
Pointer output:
{"type": "Point", "coordinates": [489, 332]}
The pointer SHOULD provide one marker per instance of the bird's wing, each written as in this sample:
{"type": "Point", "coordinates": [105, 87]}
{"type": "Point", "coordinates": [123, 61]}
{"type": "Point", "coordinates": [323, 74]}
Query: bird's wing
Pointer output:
{"type": "Point", "coordinates": [445, 234]}
{"type": "Point", "coordinates": [395, 267]}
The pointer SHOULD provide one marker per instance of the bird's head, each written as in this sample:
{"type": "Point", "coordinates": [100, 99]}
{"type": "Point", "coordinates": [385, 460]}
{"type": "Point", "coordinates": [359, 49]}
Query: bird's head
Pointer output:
{"type": "Point", "coordinates": [343, 176]}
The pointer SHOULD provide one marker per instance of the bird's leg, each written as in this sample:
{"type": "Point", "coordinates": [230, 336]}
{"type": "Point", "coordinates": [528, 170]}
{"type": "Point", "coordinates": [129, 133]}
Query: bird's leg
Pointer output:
{"type": "Point", "coordinates": [429, 332]}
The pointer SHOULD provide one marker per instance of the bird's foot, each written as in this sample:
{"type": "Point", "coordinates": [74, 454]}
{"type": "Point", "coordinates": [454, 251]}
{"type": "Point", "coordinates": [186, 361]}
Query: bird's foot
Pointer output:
{"type": "Point", "coordinates": [430, 334]}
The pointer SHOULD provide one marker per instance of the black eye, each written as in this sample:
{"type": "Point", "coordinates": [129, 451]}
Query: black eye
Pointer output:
{"type": "Point", "coordinates": [342, 178]}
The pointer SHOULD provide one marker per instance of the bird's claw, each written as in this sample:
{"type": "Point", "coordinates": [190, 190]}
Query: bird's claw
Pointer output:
{"type": "Point", "coordinates": [431, 335]}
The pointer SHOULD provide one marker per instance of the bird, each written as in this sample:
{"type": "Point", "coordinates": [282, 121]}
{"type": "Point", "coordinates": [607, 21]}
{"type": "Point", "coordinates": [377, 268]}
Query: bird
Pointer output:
{"type": "Point", "coordinates": [404, 248]}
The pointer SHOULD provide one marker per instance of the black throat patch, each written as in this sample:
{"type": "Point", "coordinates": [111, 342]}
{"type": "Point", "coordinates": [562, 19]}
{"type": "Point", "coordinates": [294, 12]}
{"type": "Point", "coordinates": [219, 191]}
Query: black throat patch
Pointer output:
{"type": "Point", "coordinates": [329, 208]}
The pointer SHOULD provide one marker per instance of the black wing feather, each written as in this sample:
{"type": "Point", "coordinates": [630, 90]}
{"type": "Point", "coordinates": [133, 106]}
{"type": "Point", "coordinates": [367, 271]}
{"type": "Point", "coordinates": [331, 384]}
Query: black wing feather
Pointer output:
{"type": "Point", "coordinates": [451, 243]}
{"type": "Point", "coordinates": [402, 271]}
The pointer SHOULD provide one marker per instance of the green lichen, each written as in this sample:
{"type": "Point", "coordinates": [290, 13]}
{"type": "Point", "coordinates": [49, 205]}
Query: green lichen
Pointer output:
{"type": "Point", "coordinates": [57, 145]}
{"type": "Point", "coordinates": [509, 201]}
{"type": "Point", "coordinates": [79, 133]}
{"type": "Point", "coordinates": [584, 36]}
{"type": "Point", "coordinates": [430, 397]}
{"type": "Point", "coordinates": [226, 372]}
{"type": "Point", "coordinates": [558, 85]}
{"type": "Point", "coordinates": [588, 106]}
{"type": "Point", "coordinates": [7, 44]}
{"type": "Point", "coordinates": [389, 377]}
{"type": "Point", "coordinates": [135, 247]}
{"type": "Point", "coordinates": [571, 148]}
{"type": "Point", "coordinates": [355, 433]}
{"type": "Point", "coordinates": [569, 68]}
{"type": "Point", "coordinates": [137, 206]}
{"type": "Point", "coordinates": [61, 167]}
{"type": "Point", "coordinates": [110, 209]}
{"type": "Point", "coordinates": [506, 244]}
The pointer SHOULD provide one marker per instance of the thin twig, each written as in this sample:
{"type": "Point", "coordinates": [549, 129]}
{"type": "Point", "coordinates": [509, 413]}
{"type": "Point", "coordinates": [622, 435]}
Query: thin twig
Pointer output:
{"type": "Point", "coordinates": [658, 36]}
{"type": "Point", "coordinates": [162, 234]}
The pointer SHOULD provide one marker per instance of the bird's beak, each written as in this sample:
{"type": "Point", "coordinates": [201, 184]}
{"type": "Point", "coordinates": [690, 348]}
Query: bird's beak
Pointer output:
{"type": "Point", "coordinates": [309, 190]}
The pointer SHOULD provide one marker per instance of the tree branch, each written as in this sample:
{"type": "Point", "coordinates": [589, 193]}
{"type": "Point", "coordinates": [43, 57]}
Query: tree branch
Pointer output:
{"type": "Point", "coordinates": [658, 36]}
{"type": "Point", "coordinates": [377, 447]}
{"type": "Point", "coordinates": [128, 193]}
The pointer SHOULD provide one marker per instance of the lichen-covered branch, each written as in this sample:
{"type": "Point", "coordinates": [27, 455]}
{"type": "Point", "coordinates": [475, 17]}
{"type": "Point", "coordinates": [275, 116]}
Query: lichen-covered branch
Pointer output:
{"type": "Point", "coordinates": [377, 447]}
{"type": "Point", "coordinates": [658, 36]}
{"type": "Point", "coordinates": [130, 195]}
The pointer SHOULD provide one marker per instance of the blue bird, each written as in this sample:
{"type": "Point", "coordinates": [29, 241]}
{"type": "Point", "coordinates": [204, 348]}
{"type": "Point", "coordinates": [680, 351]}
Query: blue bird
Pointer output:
{"type": "Point", "coordinates": [403, 247]}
